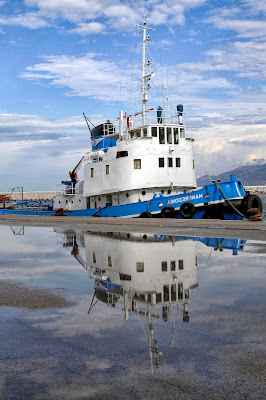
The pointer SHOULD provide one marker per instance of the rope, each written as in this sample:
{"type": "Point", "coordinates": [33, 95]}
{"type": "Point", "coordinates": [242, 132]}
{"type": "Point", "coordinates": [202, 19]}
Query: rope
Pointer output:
{"type": "Point", "coordinates": [228, 201]}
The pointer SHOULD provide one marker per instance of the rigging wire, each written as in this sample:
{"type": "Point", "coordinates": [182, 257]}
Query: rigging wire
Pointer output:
{"type": "Point", "coordinates": [205, 167]}
{"type": "Point", "coordinates": [111, 91]}
{"type": "Point", "coordinates": [133, 66]}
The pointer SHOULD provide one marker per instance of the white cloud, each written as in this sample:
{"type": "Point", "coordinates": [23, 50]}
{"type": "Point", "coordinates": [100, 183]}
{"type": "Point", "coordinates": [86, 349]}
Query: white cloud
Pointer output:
{"type": "Point", "coordinates": [244, 27]}
{"type": "Point", "coordinates": [117, 14]}
{"type": "Point", "coordinates": [226, 146]}
{"type": "Point", "coordinates": [89, 28]}
{"type": "Point", "coordinates": [28, 20]}
{"type": "Point", "coordinates": [82, 76]}
{"type": "Point", "coordinates": [258, 6]}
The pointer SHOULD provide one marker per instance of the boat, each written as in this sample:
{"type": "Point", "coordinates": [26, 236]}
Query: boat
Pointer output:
{"type": "Point", "coordinates": [142, 165]}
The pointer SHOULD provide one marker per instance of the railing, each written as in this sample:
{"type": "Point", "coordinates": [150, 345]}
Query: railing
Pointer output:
{"type": "Point", "coordinates": [69, 188]}
{"type": "Point", "coordinates": [153, 117]}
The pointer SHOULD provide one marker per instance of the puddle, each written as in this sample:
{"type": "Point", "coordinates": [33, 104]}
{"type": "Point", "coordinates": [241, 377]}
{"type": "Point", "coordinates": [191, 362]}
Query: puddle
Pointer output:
{"type": "Point", "coordinates": [129, 315]}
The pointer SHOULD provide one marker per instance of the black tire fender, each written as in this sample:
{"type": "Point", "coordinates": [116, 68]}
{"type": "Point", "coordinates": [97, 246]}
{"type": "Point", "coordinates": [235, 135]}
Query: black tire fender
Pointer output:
{"type": "Point", "coordinates": [145, 214]}
{"type": "Point", "coordinates": [187, 210]}
{"type": "Point", "coordinates": [250, 201]}
{"type": "Point", "coordinates": [168, 212]}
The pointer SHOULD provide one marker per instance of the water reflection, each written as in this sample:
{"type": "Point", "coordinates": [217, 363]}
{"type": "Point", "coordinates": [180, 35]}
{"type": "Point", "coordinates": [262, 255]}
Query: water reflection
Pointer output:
{"type": "Point", "coordinates": [140, 274]}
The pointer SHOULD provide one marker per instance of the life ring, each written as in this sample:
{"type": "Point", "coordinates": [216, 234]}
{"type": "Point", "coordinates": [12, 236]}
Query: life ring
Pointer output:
{"type": "Point", "coordinates": [145, 214]}
{"type": "Point", "coordinates": [250, 201]}
{"type": "Point", "coordinates": [168, 212]}
{"type": "Point", "coordinates": [187, 210]}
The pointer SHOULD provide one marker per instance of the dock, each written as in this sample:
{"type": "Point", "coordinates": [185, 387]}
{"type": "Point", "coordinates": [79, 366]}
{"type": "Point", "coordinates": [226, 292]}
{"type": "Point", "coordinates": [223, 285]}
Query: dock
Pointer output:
{"type": "Point", "coordinates": [252, 230]}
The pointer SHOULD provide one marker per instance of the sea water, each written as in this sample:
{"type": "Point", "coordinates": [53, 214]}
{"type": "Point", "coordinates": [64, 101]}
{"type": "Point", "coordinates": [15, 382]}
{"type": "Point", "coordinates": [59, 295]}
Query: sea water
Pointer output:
{"type": "Point", "coordinates": [115, 315]}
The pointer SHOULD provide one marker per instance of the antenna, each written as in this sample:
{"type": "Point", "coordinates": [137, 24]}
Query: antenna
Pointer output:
{"type": "Point", "coordinates": [145, 77]}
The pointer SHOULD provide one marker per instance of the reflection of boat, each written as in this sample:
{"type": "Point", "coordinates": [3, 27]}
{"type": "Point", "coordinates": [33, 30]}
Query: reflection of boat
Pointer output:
{"type": "Point", "coordinates": [146, 275]}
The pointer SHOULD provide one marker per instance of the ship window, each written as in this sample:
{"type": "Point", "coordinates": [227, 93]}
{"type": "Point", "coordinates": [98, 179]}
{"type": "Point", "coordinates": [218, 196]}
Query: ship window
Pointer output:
{"type": "Point", "coordinates": [166, 293]}
{"type": "Point", "coordinates": [121, 154]}
{"type": "Point", "coordinates": [172, 264]}
{"type": "Point", "coordinates": [161, 162]}
{"type": "Point", "coordinates": [110, 261]}
{"type": "Point", "coordinates": [193, 163]}
{"type": "Point", "coordinates": [169, 191]}
{"type": "Point", "coordinates": [91, 172]}
{"type": "Point", "coordinates": [143, 192]}
{"type": "Point", "coordinates": [169, 135]}
{"type": "Point", "coordinates": [177, 162]}
{"type": "Point", "coordinates": [175, 135]}
{"type": "Point", "coordinates": [59, 202]}
{"type": "Point", "coordinates": [162, 191]}
{"type": "Point", "coordinates": [182, 132]}
{"type": "Point", "coordinates": [180, 264]}
{"type": "Point", "coordinates": [137, 164]}
{"type": "Point", "coordinates": [170, 162]}
{"type": "Point", "coordinates": [145, 132]}
{"type": "Point", "coordinates": [107, 169]}
{"type": "Point", "coordinates": [158, 297]}
{"type": "Point", "coordinates": [186, 293]}
{"type": "Point", "coordinates": [127, 194]}
{"type": "Point", "coordinates": [137, 132]}
{"type": "Point", "coordinates": [99, 198]}
{"type": "Point", "coordinates": [124, 277]}
{"type": "Point", "coordinates": [140, 266]}
{"type": "Point", "coordinates": [66, 201]}
{"type": "Point", "coordinates": [196, 261]}
{"type": "Point", "coordinates": [164, 266]}
{"type": "Point", "coordinates": [94, 258]}
{"type": "Point", "coordinates": [180, 291]}
{"type": "Point", "coordinates": [173, 292]}
{"type": "Point", "coordinates": [161, 136]}
{"type": "Point", "coordinates": [154, 131]}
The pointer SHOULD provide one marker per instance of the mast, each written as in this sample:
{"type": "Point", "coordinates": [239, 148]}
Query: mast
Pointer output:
{"type": "Point", "coordinates": [146, 77]}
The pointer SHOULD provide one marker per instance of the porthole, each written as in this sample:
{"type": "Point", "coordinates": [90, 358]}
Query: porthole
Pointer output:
{"type": "Point", "coordinates": [162, 191]}
{"type": "Point", "coordinates": [99, 198]}
{"type": "Point", "coordinates": [143, 192]}
{"type": "Point", "coordinates": [80, 200]}
{"type": "Point", "coordinates": [127, 195]}
{"type": "Point", "coordinates": [66, 201]}
{"type": "Point", "coordinates": [59, 202]}
{"type": "Point", "coordinates": [169, 191]}
{"type": "Point", "coordinates": [184, 191]}
{"type": "Point", "coordinates": [72, 201]}
{"type": "Point", "coordinates": [128, 235]}
{"type": "Point", "coordinates": [145, 237]}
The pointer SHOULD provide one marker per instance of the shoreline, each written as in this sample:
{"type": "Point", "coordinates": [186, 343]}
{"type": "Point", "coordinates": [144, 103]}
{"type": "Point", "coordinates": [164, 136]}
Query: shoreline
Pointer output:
{"type": "Point", "coordinates": [252, 230]}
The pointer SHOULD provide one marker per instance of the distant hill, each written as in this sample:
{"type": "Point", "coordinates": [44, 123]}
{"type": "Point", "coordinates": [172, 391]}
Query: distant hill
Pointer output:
{"type": "Point", "coordinates": [250, 175]}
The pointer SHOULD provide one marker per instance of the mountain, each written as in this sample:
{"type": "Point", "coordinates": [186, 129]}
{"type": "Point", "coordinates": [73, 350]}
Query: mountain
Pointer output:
{"type": "Point", "coordinates": [250, 175]}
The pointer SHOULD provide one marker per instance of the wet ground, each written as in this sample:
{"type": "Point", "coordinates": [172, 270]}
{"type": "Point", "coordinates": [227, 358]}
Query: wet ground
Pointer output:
{"type": "Point", "coordinates": [115, 315]}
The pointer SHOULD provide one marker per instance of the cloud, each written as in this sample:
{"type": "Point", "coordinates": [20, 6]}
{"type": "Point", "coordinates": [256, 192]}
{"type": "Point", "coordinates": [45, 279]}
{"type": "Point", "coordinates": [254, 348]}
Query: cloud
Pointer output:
{"type": "Point", "coordinates": [72, 73]}
{"type": "Point", "coordinates": [227, 146]}
{"type": "Point", "coordinates": [88, 28]}
{"type": "Point", "coordinates": [244, 27]}
{"type": "Point", "coordinates": [116, 14]}
{"type": "Point", "coordinates": [28, 20]}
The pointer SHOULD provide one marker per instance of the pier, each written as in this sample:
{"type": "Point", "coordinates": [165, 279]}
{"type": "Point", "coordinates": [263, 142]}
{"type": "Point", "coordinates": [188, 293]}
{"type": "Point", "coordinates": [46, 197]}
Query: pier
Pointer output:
{"type": "Point", "coordinates": [252, 230]}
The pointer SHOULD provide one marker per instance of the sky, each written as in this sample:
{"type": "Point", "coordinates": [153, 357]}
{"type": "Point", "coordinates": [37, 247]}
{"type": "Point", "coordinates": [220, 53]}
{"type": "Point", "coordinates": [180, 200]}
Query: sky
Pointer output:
{"type": "Point", "coordinates": [63, 58]}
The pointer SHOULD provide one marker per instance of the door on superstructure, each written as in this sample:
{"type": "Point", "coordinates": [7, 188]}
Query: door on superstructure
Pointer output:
{"type": "Point", "coordinates": [109, 200]}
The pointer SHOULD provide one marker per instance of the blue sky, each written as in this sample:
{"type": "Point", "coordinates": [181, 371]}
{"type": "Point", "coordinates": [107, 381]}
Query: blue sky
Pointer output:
{"type": "Point", "coordinates": [60, 58]}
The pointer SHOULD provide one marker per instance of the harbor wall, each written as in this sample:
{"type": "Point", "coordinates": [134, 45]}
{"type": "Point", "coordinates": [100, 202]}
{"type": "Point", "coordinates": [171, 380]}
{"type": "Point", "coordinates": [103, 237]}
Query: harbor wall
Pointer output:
{"type": "Point", "coordinates": [32, 195]}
